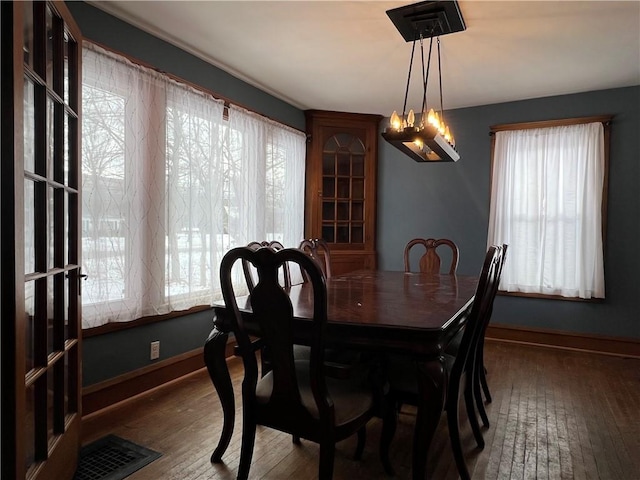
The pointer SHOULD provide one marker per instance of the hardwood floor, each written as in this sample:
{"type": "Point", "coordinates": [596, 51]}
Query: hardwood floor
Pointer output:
{"type": "Point", "coordinates": [555, 414]}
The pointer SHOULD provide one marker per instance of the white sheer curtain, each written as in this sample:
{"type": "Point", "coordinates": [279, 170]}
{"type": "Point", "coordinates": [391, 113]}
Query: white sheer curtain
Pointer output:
{"type": "Point", "coordinates": [546, 203]}
{"type": "Point", "coordinates": [169, 187]}
{"type": "Point", "coordinates": [270, 180]}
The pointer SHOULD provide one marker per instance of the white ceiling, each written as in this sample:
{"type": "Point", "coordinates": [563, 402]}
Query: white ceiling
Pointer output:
{"type": "Point", "coordinates": [348, 56]}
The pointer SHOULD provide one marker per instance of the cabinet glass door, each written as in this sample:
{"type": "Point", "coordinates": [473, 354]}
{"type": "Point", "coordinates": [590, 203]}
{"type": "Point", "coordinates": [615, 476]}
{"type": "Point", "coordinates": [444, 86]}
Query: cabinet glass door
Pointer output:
{"type": "Point", "coordinates": [343, 198]}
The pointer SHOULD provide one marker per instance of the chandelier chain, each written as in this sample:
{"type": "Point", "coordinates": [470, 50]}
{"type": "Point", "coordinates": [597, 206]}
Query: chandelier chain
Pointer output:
{"type": "Point", "coordinates": [406, 92]}
{"type": "Point", "coordinates": [426, 78]}
{"type": "Point", "coordinates": [440, 80]}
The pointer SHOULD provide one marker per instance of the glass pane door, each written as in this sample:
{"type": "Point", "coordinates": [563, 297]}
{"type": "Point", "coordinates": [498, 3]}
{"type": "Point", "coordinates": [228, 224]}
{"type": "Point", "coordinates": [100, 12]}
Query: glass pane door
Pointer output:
{"type": "Point", "coordinates": [44, 112]}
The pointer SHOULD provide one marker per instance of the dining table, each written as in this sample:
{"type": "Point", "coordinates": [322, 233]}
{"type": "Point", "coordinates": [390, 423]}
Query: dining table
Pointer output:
{"type": "Point", "coordinates": [385, 312]}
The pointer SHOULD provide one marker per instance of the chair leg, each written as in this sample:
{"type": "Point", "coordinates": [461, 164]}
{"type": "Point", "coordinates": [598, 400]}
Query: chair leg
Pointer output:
{"type": "Point", "coordinates": [478, 397]}
{"type": "Point", "coordinates": [295, 439]}
{"type": "Point", "coordinates": [471, 412]}
{"type": "Point", "coordinates": [389, 424]}
{"type": "Point", "coordinates": [485, 386]}
{"type": "Point", "coordinates": [362, 440]}
{"type": "Point", "coordinates": [327, 454]}
{"type": "Point", "coordinates": [482, 372]}
{"type": "Point", "coordinates": [454, 432]}
{"type": "Point", "coordinates": [479, 379]}
{"type": "Point", "coordinates": [246, 450]}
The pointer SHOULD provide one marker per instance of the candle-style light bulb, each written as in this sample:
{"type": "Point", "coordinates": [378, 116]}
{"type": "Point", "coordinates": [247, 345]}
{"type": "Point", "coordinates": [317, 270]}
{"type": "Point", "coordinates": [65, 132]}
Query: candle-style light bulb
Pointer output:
{"type": "Point", "coordinates": [447, 134]}
{"type": "Point", "coordinates": [431, 118]}
{"type": "Point", "coordinates": [395, 121]}
{"type": "Point", "coordinates": [411, 118]}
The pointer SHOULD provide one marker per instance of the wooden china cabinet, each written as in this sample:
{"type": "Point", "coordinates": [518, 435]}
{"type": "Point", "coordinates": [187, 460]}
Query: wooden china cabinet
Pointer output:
{"type": "Point", "coordinates": [342, 156]}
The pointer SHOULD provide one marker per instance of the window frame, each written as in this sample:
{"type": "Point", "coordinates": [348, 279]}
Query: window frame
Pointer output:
{"type": "Point", "coordinates": [606, 121]}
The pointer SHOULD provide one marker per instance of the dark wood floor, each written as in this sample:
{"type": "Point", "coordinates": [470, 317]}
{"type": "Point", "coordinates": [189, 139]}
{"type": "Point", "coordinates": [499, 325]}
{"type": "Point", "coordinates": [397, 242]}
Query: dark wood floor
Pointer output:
{"type": "Point", "coordinates": [555, 414]}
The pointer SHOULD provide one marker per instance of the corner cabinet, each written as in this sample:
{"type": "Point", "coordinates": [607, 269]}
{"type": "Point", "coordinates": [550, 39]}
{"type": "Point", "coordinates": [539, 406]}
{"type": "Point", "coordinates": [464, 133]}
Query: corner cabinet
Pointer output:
{"type": "Point", "coordinates": [342, 157]}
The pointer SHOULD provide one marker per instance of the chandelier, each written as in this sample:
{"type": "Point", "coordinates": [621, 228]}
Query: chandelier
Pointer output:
{"type": "Point", "coordinates": [428, 139]}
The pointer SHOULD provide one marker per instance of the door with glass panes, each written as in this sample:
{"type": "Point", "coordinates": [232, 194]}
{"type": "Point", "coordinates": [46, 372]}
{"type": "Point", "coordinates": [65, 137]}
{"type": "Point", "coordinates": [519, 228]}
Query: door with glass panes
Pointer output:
{"type": "Point", "coordinates": [40, 185]}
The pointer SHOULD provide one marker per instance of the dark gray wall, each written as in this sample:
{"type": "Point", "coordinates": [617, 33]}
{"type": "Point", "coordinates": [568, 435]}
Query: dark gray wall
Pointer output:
{"type": "Point", "coordinates": [452, 200]}
{"type": "Point", "coordinates": [112, 354]}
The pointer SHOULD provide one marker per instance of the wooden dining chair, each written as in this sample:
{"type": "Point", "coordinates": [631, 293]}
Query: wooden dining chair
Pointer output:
{"type": "Point", "coordinates": [459, 371]}
{"type": "Point", "coordinates": [249, 274]}
{"type": "Point", "coordinates": [480, 383]}
{"type": "Point", "coordinates": [480, 379]}
{"type": "Point", "coordinates": [430, 260]}
{"type": "Point", "coordinates": [318, 249]}
{"type": "Point", "coordinates": [339, 360]}
{"type": "Point", "coordinates": [296, 396]}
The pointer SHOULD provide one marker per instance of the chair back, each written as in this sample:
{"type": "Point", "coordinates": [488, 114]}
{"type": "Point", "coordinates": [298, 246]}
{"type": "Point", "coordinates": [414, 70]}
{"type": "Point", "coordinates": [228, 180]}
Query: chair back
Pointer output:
{"type": "Point", "coordinates": [246, 268]}
{"type": "Point", "coordinates": [318, 249]}
{"type": "Point", "coordinates": [272, 321]}
{"type": "Point", "coordinates": [504, 258]}
{"type": "Point", "coordinates": [430, 261]}
{"type": "Point", "coordinates": [480, 310]}
{"type": "Point", "coordinates": [487, 318]}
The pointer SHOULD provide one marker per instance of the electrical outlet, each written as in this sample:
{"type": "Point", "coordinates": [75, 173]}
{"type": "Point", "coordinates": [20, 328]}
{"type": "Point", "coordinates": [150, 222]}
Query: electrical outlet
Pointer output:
{"type": "Point", "coordinates": [155, 350]}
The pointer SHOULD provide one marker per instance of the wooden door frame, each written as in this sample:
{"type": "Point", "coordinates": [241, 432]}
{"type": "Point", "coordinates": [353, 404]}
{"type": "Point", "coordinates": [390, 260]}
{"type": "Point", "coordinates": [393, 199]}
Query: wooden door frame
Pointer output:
{"type": "Point", "coordinates": [13, 371]}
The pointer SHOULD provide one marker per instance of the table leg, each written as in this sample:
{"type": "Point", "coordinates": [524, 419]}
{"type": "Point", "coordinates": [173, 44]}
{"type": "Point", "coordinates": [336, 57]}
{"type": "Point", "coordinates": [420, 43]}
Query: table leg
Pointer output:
{"type": "Point", "coordinates": [214, 358]}
{"type": "Point", "coordinates": [431, 387]}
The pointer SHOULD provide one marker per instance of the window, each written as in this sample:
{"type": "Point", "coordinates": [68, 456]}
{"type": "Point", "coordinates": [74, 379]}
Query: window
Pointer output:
{"type": "Point", "coordinates": [169, 186]}
{"type": "Point", "coordinates": [548, 203]}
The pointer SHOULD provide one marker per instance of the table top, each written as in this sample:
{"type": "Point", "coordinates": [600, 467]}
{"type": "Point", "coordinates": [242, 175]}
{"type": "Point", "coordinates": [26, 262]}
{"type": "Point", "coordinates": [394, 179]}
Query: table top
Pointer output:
{"type": "Point", "coordinates": [387, 310]}
{"type": "Point", "coordinates": [399, 299]}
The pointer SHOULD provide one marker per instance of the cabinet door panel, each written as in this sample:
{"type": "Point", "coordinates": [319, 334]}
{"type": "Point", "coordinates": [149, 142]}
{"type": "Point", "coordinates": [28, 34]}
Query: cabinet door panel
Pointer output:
{"type": "Point", "coordinates": [341, 185]}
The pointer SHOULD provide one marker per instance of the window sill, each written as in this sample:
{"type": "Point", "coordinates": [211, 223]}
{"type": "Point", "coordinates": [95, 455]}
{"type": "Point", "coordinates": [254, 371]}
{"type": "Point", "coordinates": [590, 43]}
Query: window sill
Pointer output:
{"type": "Point", "coordinates": [550, 297]}
{"type": "Point", "coordinates": [117, 326]}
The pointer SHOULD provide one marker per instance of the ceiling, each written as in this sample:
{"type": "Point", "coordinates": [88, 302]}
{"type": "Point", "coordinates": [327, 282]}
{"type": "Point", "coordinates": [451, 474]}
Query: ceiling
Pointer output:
{"type": "Point", "coordinates": [348, 56]}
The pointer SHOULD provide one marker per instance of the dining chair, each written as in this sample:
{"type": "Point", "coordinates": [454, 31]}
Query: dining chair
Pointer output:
{"type": "Point", "coordinates": [338, 361]}
{"type": "Point", "coordinates": [480, 379]}
{"type": "Point", "coordinates": [430, 260]}
{"type": "Point", "coordinates": [249, 273]}
{"type": "Point", "coordinates": [480, 371]}
{"type": "Point", "coordinates": [459, 368]}
{"type": "Point", "coordinates": [318, 249]}
{"type": "Point", "coordinates": [296, 396]}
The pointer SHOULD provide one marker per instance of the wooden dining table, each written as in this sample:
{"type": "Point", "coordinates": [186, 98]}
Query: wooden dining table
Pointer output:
{"type": "Point", "coordinates": [377, 311]}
